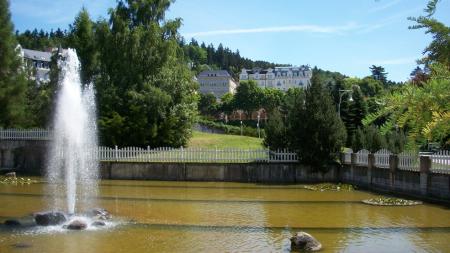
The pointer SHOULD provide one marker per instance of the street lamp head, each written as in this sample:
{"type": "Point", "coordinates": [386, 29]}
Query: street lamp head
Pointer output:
{"type": "Point", "coordinates": [351, 98]}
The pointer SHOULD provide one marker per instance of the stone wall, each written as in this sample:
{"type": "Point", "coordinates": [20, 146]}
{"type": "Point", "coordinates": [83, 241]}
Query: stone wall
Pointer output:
{"type": "Point", "coordinates": [232, 172]}
{"type": "Point", "coordinates": [23, 156]}
{"type": "Point", "coordinates": [420, 183]}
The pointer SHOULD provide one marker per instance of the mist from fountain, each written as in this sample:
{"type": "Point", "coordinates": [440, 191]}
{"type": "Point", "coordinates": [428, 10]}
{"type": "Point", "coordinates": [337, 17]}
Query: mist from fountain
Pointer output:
{"type": "Point", "coordinates": [72, 169]}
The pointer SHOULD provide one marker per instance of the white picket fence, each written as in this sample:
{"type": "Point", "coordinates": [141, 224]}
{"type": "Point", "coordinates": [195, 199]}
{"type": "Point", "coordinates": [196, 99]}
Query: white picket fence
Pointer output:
{"type": "Point", "coordinates": [25, 134]}
{"type": "Point", "coordinates": [362, 157]}
{"type": "Point", "coordinates": [192, 155]}
{"type": "Point", "coordinates": [348, 156]}
{"type": "Point", "coordinates": [408, 160]}
{"type": "Point", "coordinates": [382, 158]}
{"type": "Point", "coordinates": [440, 162]}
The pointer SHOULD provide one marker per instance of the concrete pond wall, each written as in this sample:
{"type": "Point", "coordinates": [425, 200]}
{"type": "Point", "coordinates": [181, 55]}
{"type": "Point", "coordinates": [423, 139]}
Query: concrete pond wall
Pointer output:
{"type": "Point", "coordinates": [28, 157]}
{"type": "Point", "coordinates": [228, 172]}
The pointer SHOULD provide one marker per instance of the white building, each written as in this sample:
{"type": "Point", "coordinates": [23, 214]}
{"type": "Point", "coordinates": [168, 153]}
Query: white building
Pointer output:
{"type": "Point", "coordinates": [38, 62]}
{"type": "Point", "coordinates": [281, 78]}
{"type": "Point", "coordinates": [217, 82]}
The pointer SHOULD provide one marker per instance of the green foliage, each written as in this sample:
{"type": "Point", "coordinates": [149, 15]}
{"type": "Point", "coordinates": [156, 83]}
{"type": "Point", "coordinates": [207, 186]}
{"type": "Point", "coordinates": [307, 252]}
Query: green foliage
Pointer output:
{"type": "Point", "coordinates": [317, 132]}
{"type": "Point", "coordinates": [219, 58]}
{"type": "Point", "coordinates": [271, 99]}
{"type": "Point", "coordinates": [276, 131]}
{"type": "Point", "coordinates": [368, 138]}
{"type": "Point", "coordinates": [422, 112]}
{"type": "Point", "coordinates": [231, 129]}
{"type": "Point", "coordinates": [208, 104]}
{"type": "Point", "coordinates": [13, 83]}
{"type": "Point", "coordinates": [353, 112]}
{"type": "Point", "coordinates": [42, 41]}
{"type": "Point", "coordinates": [223, 141]}
{"type": "Point", "coordinates": [379, 74]}
{"type": "Point", "coordinates": [227, 103]}
{"type": "Point", "coordinates": [82, 38]}
{"type": "Point", "coordinates": [248, 96]}
{"type": "Point", "coordinates": [145, 90]}
{"type": "Point", "coordinates": [439, 49]}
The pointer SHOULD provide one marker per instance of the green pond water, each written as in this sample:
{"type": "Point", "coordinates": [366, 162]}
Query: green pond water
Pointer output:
{"type": "Point", "coordinates": [155, 216]}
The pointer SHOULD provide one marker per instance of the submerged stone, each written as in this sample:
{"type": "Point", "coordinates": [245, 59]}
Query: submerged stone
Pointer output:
{"type": "Point", "coordinates": [50, 218]}
{"type": "Point", "coordinates": [11, 174]}
{"type": "Point", "coordinates": [12, 223]}
{"type": "Point", "coordinates": [21, 245]}
{"type": "Point", "coordinates": [304, 241]}
{"type": "Point", "coordinates": [99, 214]}
{"type": "Point", "coordinates": [77, 225]}
{"type": "Point", "coordinates": [98, 223]}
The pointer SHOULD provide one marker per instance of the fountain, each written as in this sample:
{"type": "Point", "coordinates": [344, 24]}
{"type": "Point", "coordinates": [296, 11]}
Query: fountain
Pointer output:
{"type": "Point", "coordinates": [72, 170]}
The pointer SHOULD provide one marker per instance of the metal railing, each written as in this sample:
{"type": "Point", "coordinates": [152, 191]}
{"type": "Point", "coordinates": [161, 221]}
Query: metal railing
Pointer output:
{"type": "Point", "coordinates": [25, 134]}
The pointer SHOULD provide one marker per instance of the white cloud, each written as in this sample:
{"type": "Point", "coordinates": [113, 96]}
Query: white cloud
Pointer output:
{"type": "Point", "coordinates": [403, 15]}
{"type": "Point", "coordinates": [276, 29]}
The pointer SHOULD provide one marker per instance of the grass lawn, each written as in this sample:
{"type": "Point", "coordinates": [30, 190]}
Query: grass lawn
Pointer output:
{"type": "Point", "coordinates": [221, 141]}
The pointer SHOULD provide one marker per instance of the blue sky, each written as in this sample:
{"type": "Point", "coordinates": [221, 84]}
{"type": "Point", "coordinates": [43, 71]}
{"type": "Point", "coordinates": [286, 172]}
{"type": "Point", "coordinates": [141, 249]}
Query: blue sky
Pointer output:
{"type": "Point", "coordinates": [346, 36]}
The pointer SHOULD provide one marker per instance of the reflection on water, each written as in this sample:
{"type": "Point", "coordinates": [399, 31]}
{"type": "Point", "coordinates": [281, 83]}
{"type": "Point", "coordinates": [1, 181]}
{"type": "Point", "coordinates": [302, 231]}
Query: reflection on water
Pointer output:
{"type": "Point", "coordinates": [229, 217]}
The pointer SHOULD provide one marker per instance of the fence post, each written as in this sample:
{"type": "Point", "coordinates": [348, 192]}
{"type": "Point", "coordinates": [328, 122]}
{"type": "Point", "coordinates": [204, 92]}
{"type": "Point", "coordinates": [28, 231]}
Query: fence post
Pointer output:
{"type": "Point", "coordinates": [370, 166]}
{"type": "Point", "coordinates": [393, 166]}
{"type": "Point", "coordinates": [352, 166]}
{"type": "Point", "coordinates": [116, 153]}
{"type": "Point", "coordinates": [425, 165]}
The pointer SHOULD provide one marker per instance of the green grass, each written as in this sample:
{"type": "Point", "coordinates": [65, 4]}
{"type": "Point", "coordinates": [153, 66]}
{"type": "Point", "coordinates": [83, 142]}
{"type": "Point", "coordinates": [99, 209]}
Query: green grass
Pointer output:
{"type": "Point", "coordinates": [221, 141]}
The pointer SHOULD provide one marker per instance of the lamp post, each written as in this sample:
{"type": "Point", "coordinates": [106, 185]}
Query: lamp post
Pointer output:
{"type": "Point", "coordinates": [257, 125]}
{"type": "Point", "coordinates": [341, 94]}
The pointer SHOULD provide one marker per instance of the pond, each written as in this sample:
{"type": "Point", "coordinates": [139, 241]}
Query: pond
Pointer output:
{"type": "Point", "coordinates": [156, 216]}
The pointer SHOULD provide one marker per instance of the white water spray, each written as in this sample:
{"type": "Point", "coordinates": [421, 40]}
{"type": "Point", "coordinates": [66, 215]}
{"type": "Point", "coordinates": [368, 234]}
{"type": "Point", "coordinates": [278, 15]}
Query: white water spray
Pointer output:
{"type": "Point", "coordinates": [72, 169]}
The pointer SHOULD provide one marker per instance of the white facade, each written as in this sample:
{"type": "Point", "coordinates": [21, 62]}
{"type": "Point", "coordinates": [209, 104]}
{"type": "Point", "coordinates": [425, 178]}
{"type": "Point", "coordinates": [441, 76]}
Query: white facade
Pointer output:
{"type": "Point", "coordinates": [38, 62]}
{"type": "Point", "coordinates": [281, 78]}
{"type": "Point", "coordinates": [217, 82]}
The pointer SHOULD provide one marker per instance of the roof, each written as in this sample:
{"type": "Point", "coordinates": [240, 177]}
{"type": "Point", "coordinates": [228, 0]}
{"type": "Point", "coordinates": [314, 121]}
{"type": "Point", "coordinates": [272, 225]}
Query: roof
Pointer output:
{"type": "Point", "coordinates": [37, 55]}
{"type": "Point", "coordinates": [214, 73]}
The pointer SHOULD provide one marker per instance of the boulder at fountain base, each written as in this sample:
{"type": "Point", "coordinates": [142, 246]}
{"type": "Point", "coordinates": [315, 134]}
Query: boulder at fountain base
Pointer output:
{"type": "Point", "coordinates": [11, 174]}
{"type": "Point", "coordinates": [98, 224]}
{"type": "Point", "coordinates": [99, 214]}
{"type": "Point", "coordinates": [76, 225]}
{"type": "Point", "coordinates": [305, 241]}
{"type": "Point", "coordinates": [50, 218]}
{"type": "Point", "coordinates": [12, 223]}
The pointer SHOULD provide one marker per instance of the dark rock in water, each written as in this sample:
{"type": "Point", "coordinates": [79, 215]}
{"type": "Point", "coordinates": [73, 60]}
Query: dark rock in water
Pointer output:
{"type": "Point", "coordinates": [21, 245]}
{"type": "Point", "coordinates": [11, 174]}
{"type": "Point", "coordinates": [99, 214]}
{"type": "Point", "coordinates": [12, 223]}
{"type": "Point", "coordinates": [98, 223]}
{"type": "Point", "coordinates": [50, 218]}
{"type": "Point", "coordinates": [305, 241]}
{"type": "Point", "coordinates": [77, 225]}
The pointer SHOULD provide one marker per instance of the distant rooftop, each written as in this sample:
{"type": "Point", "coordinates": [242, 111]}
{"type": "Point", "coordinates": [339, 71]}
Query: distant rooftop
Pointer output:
{"type": "Point", "coordinates": [37, 55]}
{"type": "Point", "coordinates": [214, 73]}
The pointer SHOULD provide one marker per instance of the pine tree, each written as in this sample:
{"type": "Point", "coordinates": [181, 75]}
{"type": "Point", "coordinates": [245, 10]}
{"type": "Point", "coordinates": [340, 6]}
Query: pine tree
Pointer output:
{"type": "Point", "coordinates": [317, 131]}
{"type": "Point", "coordinates": [82, 38]}
{"type": "Point", "coordinates": [276, 131]}
{"type": "Point", "coordinates": [12, 77]}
